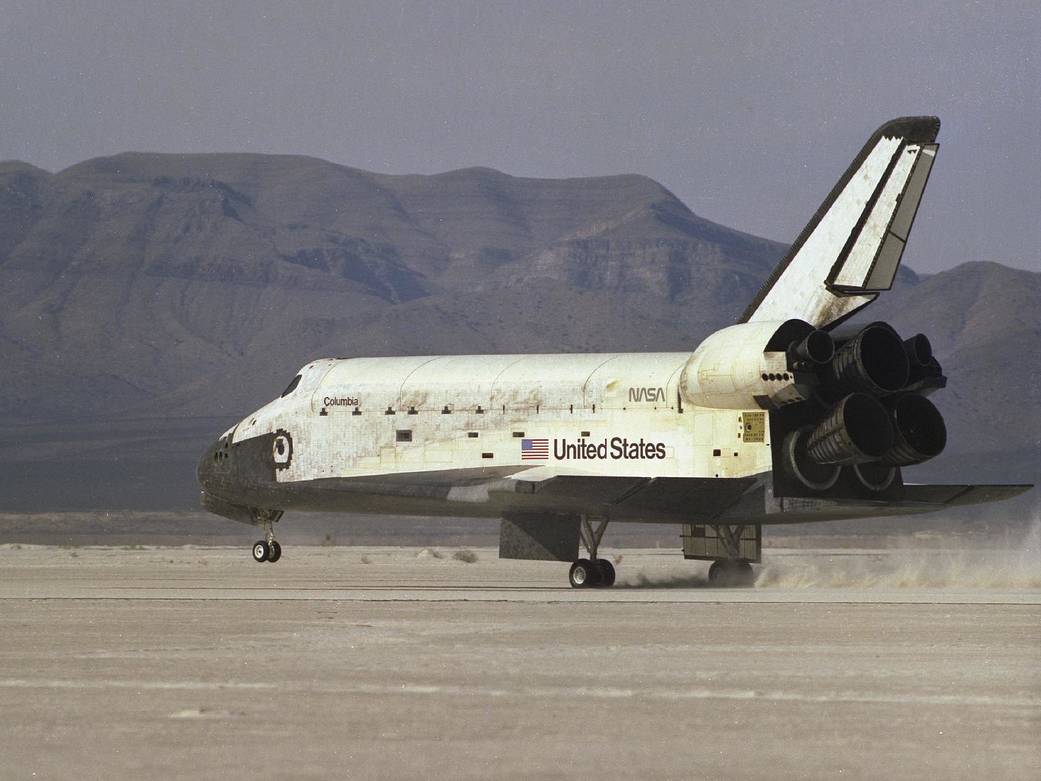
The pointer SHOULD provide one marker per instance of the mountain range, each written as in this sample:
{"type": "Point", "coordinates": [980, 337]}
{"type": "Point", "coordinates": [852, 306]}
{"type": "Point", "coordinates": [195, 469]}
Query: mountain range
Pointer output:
{"type": "Point", "coordinates": [146, 300]}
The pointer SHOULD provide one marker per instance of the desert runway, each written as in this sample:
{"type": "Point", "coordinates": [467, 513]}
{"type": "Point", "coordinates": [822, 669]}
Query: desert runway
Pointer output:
{"type": "Point", "coordinates": [408, 663]}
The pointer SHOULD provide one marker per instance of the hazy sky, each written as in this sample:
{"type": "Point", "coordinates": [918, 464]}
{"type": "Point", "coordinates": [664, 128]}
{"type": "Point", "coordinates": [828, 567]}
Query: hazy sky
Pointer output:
{"type": "Point", "coordinates": [748, 112]}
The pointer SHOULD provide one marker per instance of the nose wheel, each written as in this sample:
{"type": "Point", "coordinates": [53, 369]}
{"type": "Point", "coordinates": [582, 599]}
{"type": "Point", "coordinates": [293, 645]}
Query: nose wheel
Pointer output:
{"type": "Point", "coordinates": [266, 551]}
{"type": "Point", "coordinates": [268, 548]}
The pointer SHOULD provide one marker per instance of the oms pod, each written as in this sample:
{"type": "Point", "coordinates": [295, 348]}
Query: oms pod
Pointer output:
{"type": "Point", "coordinates": [816, 349]}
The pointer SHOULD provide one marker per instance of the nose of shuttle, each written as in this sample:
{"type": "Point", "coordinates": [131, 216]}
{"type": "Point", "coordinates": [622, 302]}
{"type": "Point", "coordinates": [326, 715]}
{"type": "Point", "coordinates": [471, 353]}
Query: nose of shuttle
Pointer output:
{"type": "Point", "coordinates": [218, 476]}
{"type": "Point", "coordinates": [204, 469]}
{"type": "Point", "coordinates": [243, 472]}
{"type": "Point", "coordinates": [214, 467]}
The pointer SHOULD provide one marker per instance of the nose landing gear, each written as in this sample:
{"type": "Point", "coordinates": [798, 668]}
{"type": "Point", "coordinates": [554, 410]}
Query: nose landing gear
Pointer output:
{"type": "Point", "coordinates": [268, 548]}
{"type": "Point", "coordinates": [266, 551]}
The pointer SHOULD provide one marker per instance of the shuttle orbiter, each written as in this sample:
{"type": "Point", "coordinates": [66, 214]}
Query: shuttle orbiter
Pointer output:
{"type": "Point", "coordinates": [783, 417]}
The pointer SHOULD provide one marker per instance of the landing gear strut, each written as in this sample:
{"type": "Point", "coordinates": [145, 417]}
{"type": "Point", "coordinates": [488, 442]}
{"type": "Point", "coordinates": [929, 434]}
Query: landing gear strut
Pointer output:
{"type": "Point", "coordinates": [591, 572]}
{"type": "Point", "coordinates": [268, 548]}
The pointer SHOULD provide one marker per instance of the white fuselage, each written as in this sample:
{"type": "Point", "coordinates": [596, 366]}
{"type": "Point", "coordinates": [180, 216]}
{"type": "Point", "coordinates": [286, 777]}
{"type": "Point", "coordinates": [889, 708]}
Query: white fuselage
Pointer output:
{"type": "Point", "coordinates": [621, 414]}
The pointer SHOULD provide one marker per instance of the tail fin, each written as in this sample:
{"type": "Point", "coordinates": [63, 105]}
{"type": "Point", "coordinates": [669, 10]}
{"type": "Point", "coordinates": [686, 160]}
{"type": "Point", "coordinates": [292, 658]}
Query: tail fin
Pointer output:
{"type": "Point", "coordinates": [851, 249]}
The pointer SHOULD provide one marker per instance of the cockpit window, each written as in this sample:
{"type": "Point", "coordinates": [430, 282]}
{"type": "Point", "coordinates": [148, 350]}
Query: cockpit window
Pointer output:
{"type": "Point", "coordinates": [292, 386]}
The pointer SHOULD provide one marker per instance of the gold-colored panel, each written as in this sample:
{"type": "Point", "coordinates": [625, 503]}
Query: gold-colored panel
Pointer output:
{"type": "Point", "coordinates": [753, 426]}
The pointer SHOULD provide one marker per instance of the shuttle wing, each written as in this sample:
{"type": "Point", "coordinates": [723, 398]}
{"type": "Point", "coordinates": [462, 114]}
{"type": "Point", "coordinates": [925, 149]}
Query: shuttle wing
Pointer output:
{"type": "Point", "coordinates": [707, 500]}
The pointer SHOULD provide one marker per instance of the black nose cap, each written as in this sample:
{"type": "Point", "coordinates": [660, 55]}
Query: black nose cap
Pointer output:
{"type": "Point", "coordinates": [214, 464]}
{"type": "Point", "coordinates": [204, 469]}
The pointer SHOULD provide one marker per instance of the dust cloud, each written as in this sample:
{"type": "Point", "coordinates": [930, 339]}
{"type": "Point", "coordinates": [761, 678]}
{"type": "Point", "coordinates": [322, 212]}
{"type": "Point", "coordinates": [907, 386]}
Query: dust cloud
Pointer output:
{"type": "Point", "coordinates": [656, 579]}
{"type": "Point", "coordinates": [1012, 564]}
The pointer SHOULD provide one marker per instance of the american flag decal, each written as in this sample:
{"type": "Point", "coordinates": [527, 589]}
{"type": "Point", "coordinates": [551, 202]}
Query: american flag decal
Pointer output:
{"type": "Point", "coordinates": [534, 449]}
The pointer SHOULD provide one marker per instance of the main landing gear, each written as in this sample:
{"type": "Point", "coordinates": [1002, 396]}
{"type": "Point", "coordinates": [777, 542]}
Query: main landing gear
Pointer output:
{"type": "Point", "coordinates": [591, 572]}
{"type": "Point", "coordinates": [596, 572]}
{"type": "Point", "coordinates": [268, 548]}
{"type": "Point", "coordinates": [732, 571]}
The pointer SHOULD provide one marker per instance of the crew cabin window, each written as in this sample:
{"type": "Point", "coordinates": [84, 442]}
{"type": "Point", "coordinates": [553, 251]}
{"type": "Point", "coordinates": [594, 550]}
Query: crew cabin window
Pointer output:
{"type": "Point", "coordinates": [292, 386]}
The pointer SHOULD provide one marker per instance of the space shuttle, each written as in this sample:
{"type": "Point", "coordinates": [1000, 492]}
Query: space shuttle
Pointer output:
{"type": "Point", "coordinates": [787, 416]}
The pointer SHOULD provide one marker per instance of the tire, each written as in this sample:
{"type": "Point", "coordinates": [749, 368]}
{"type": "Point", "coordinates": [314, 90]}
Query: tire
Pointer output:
{"type": "Point", "coordinates": [715, 573]}
{"type": "Point", "coordinates": [261, 551]}
{"type": "Point", "coordinates": [582, 574]}
{"type": "Point", "coordinates": [607, 573]}
{"type": "Point", "coordinates": [745, 575]}
{"type": "Point", "coordinates": [275, 553]}
{"type": "Point", "coordinates": [728, 573]}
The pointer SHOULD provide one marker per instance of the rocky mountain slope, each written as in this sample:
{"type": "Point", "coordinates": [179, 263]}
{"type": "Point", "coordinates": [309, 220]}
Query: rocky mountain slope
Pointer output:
{"type": "Point", "coordinates": [147, 282]}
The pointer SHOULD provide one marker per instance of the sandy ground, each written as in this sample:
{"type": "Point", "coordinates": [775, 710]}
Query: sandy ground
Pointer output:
{"type": "Point", "coordinates": [407, 663]}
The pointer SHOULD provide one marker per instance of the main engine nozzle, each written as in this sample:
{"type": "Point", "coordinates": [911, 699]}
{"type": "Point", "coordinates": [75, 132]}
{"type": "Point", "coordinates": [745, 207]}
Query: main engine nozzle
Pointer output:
{"type": "Point", "coordinates": [815, 349]}
{"type": "Point", "coordinates": [919, 350]}
{"type": "Point", "coordinates": [874, 361]}
{"type": "Point", "coordinates": [920, 433]}
{"type": "Point", "coordinates": [857, 430]}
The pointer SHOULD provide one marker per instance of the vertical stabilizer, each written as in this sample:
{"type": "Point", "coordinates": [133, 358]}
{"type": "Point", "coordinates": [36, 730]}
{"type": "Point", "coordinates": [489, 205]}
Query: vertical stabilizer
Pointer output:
{"type": "Point", "coordinates": [851, 249]}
